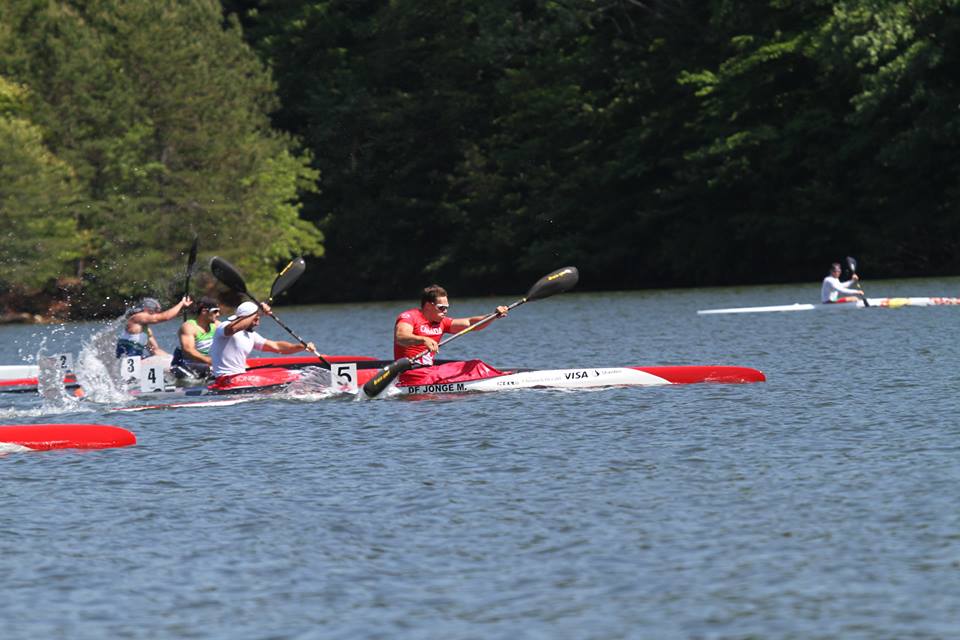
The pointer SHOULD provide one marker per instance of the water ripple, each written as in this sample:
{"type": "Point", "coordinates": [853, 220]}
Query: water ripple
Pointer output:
{"type": "Point", "coordinates": [816, 505]}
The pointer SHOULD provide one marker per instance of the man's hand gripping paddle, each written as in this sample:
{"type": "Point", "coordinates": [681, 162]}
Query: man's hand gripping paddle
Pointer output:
{"type": "Point", "coordinates": [228, 275]}
{"type": "Point", "coordinates": [551, 284]}
{"type": "Point", "coordinates": [852, 265]}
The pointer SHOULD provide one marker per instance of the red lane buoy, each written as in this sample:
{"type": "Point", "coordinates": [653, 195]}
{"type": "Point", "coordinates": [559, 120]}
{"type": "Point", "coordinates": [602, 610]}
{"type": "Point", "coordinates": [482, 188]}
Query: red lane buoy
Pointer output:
{"type": "Point", "coordinates": [42, 437]}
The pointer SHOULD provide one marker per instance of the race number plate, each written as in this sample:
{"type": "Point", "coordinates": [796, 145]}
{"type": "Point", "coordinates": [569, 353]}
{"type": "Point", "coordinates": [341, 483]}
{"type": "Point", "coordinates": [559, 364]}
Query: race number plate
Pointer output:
{"type": "Point", "coordinates": [345, 376]}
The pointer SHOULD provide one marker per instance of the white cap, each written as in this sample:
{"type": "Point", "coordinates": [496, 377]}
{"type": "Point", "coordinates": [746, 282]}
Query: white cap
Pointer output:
{"type": "Point", "coordinates": [245, 309]}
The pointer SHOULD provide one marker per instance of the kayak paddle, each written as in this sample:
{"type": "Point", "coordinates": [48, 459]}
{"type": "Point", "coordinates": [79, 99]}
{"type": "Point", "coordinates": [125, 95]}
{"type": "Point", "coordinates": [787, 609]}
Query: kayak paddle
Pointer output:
{"type": "Point", "coordinates": [852, 265]}
{"type": "Point", "coordinates": [285, 279]}
{"type": "Point", "coordinates": [228, 275]}
{"type": "Point", "coordinates": [553, 283]}
{"type": "Point", "coordinates": [191, 263]}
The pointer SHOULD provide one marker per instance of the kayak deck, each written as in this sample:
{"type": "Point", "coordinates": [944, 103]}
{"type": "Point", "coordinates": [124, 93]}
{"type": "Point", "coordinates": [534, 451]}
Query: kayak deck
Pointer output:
{"type": "Point", "coordinates": [880, 303]}
{"type": "Point", "coordinates": [588, 378]}
{"type": "Point", "coordinates": [25, 378]}
{"type": "Point", "coordinates": [581, 378]}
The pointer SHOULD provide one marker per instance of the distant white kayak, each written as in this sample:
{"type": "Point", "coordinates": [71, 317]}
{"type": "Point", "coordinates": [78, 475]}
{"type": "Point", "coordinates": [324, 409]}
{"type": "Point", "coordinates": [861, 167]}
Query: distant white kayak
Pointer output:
{"type": "Point", "coordinates": [879, 303]}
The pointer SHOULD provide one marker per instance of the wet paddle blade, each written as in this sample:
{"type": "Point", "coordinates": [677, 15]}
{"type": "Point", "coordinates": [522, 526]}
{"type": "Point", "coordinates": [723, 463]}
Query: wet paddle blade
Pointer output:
{"type": "Point", "coordinates": [192, 257]}
{"type": "Point", "coordinates": [553, 283]}
{"type": "Point", "coordinates": [227, 274]}
{"type": "Point", "coordinates": [375, 385]}
{"type": "Point", "coordinates": [285, 279]}
{"type": "Point", "coordinates": [852, 265]}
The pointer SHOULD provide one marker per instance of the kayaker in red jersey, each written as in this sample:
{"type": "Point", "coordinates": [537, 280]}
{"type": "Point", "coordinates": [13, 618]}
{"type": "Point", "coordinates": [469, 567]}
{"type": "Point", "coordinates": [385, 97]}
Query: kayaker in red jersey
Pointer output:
{"type": "Point", "coordinates": [417, 332]}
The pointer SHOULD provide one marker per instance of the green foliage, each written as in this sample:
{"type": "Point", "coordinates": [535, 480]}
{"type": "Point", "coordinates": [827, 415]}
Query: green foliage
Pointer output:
{"type": "Point", "coordinates": [161, 110]}
{"type": "Point", "coordinates": [40, 238]}
{"type": "Point", "coordinates": [482, 144]}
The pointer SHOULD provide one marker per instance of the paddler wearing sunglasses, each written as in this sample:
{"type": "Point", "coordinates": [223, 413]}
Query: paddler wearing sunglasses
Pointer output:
{"type": "Point", "coordinates": [191, 359]}
{"type": "Point", "coordinates": [417, 332]}
{"type": "Point", "coordinates": [237, 337]}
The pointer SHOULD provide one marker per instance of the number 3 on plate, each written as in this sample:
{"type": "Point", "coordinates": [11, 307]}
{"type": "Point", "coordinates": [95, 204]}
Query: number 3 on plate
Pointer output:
{"type": "Point", "coordinates": [345, 376]}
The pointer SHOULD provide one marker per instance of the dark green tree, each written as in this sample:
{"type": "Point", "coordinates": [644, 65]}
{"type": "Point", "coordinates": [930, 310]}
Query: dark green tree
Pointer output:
{"type": "Point", "coordinates": [162, 111]}
{"type": "Point", "coordinates": [39, 238]}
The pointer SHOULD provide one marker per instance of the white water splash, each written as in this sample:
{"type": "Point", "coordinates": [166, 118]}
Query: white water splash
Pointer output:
{"type": "Point", "coordinates": [314, 384]}
{"type": "Point", "coordinates": [9, 447]}
{"type": "Point", "coordinates": [97, 367]}
{"type": "Point", "coordinates": [53, 393]}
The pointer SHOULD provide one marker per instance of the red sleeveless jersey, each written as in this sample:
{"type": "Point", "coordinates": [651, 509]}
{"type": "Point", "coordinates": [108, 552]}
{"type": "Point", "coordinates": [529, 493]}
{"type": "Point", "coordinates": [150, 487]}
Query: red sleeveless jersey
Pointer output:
{"type": "Point", "coordinates": [421, 327]}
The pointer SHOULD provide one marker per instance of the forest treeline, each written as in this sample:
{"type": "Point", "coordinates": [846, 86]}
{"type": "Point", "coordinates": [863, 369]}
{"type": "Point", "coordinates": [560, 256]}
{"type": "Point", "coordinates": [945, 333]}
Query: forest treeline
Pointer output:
{"type": "Point", "coordinates": [397, 143]}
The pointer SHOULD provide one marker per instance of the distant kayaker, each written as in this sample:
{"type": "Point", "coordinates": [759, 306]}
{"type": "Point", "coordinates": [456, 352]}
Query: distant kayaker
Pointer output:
{"type": "Point", "coordinates": [191, 359]}
{"type": "Point", "coordinates": [833, 290]}
{"type": "Point", "coordinates": [237, 337]}
{"type": "Point", "coordinates": [137, 339]}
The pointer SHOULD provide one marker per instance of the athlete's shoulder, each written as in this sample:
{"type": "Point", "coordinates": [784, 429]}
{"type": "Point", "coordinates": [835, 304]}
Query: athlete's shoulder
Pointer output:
{"type": "Point", "coordinates": [410, 315]}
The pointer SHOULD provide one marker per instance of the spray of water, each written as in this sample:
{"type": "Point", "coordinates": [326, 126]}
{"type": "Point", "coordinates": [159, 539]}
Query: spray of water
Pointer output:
{"type": "Point", "coordinates": [9, 447]}
{"type": "Point", "coordinates": [94, 367]}
{"type": "Point", "coordinates": [97, 368]}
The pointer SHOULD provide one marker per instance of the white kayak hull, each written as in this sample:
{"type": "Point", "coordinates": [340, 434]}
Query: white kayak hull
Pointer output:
{"type": "Point", "coordinates": [18, 378]}
{"type": "Point", "coordinates": [584, 378]}
{"type": "Point", "coordinates": [878, 303]}
{"type": "Point", "coordinates": [12, 371]}
{"type": "Point", "coordinates": [589, 378]}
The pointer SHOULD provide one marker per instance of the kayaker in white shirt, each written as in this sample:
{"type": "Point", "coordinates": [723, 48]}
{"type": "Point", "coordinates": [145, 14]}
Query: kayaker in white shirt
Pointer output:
{"type": "Point", "coordinates": [833, 290]}
{"type": "Point", "coordinates": [237, 337]}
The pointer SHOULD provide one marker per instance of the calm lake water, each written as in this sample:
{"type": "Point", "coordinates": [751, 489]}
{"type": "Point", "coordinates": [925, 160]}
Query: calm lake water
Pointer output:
{"type": "Point", "coordinates": [820, 504]}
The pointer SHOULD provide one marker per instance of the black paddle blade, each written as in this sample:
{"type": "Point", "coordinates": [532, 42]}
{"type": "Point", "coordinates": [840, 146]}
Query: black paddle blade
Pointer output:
{"type": "Point", "coordinates": [553, 283]}
{"type": "Point", "coordinates": [192, 257]}
{"type": "Point", "coordinates": [227, 274]}
{"type": "Point", "coordinates": [852, 265]}
{"type": "Point", "coordinates": [287, 277]}
{"type": "Point", "coordinates": [375, 385]}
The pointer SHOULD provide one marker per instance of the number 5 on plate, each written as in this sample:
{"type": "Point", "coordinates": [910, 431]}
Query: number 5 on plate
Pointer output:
{"type": "Point", "coordinates": [345, 376]}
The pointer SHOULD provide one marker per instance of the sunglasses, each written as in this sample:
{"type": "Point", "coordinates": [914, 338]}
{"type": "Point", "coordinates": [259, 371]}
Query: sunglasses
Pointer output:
{"type": "Point", "coordinates": [214, 310]}
{"type": "Point", "coordinates": [441, 307]}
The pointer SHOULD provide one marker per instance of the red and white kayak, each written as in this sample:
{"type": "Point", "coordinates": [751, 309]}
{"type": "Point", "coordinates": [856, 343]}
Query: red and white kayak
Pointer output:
{"type": "Point", "coordinates": [196, 404]}
{"type": "Point", "coordinates": [254, 380]}
{"type": "Point", "coordinates": [587, 378]}
{"type": "Point", "coordinates": [42, 437]}
{"type": "Point", "coordinates": [257, 384]}
{"type": "Point", "coordinates": [250, 385]}
{"type": "Point", "coordinates": [24, 378]}
{"type": "Point", "coordinates": [258, 380]}
{"type": "Point", "coordinates": [298, 362]}
{"type": "Point", "coordinates": [874, 303]}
